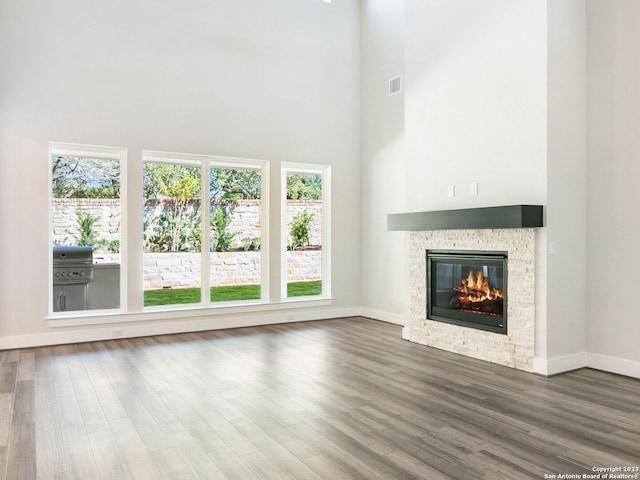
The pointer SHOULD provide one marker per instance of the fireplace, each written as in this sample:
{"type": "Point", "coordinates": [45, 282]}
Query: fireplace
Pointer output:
{"type": "Point", "coordinates": [512, 235]}
{"type": "Point", "coordinates": [468, 288]}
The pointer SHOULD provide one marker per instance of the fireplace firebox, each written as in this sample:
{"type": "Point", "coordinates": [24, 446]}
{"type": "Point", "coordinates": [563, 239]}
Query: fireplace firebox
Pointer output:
{"type": "Point", "coordinates": [468, 288]}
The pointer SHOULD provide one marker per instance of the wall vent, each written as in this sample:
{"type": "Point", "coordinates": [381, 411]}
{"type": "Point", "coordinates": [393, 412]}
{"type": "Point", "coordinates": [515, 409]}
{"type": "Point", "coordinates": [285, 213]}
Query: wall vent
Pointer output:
{"type": "Point", "coordinates": [395, 85]}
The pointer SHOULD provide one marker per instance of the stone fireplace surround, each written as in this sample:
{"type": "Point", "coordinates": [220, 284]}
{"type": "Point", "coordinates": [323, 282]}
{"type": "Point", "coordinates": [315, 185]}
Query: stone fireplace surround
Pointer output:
{"type": "Point", "coordinates": [517, 237]}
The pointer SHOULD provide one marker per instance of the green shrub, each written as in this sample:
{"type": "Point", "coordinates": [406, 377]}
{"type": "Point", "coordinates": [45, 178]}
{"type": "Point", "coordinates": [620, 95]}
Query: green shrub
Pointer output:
{"type": "Point", "coordinates": [175, 230]}
{"type": "Point", "coordinates": [88, 236]}
{"type": "Point", "coordinates": [221, 238]}
{"type": "Point", "coordinates": [111, 246]}
{"type": "Point", "coordinates": [86, 222]}
{"type": "Point", "coordinates": [251, 243]}
{"type": "Point", "coordinates": [299, 229]}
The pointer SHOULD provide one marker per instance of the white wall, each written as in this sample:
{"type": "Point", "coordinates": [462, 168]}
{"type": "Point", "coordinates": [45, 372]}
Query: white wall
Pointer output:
{"type": "Point", "coordinates": [384, 262]}
{"type": "Point", "coordinates": [476, 112]}
{"type": "Point", "coordinates": [613, 183]}
{"type": "Point", "coordinates": [566, 185]}
{"type": "Point", "coordinates": [267, 79]}
{"type": "Point", "coordinates": [475, 107]}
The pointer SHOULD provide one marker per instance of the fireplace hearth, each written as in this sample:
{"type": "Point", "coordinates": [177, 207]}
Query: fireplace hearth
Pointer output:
{"type": "Point", "coordinates": [467, 288]}
{"type": "Point", "coordinates": [513, 233]}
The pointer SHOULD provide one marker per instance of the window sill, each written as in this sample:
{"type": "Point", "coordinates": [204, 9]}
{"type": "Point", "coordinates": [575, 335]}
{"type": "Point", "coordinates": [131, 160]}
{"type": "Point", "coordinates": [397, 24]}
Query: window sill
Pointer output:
{"type": "Point", "coordinates": [100, 317]}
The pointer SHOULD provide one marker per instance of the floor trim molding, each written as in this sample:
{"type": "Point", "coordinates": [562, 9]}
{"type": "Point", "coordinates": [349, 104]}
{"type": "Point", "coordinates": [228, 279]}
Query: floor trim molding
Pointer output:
{"type": "Point", "coordinates": [383, 316]}
{"type": "Point", "coordinates": [169, 327]}
{"type": "Point", "coordinates": [556, 365]}
{"type": "Point", "coordinates": [613, 365]}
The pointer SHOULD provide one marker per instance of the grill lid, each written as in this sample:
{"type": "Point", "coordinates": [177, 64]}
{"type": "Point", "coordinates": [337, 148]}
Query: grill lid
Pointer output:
{"type": "Point", "coordinates": [66, 255]}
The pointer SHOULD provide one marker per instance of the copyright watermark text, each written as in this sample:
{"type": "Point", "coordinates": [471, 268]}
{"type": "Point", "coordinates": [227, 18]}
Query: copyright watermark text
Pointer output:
{"type": "Point", "coordinates": [599, 473]}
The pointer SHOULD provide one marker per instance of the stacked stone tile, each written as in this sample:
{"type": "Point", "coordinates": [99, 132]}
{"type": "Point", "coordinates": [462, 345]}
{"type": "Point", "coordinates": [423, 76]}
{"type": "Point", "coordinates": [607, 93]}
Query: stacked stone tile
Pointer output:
{"type": "Point", "coordinates": [516, 349]}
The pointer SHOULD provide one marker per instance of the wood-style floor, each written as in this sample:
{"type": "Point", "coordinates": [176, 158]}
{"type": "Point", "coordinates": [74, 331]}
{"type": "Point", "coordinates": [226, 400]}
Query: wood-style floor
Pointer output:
{"type": "Point", "coordinates": [337, 399]}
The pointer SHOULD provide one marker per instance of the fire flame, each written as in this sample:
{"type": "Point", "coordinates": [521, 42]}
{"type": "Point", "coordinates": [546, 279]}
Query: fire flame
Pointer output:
{"type": "Point", "coordinates": [475, 288]}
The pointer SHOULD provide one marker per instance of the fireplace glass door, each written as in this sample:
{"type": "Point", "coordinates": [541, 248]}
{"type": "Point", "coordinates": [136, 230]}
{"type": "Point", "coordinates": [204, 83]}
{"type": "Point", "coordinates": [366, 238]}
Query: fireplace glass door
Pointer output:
{"type": "Point", "coordinates": [468, 289]}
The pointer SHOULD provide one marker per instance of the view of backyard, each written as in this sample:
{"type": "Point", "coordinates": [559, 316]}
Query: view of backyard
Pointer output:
{"type": "Point", "coordinates": [86, 212]}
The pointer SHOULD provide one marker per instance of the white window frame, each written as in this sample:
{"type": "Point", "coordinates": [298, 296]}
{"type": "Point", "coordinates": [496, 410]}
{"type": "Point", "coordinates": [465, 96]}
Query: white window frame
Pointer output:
{"type": "Point", "coordinates": [263, 167]}
{"type": "Point", "coordinates": [104, 153]}
{"type": "Point", "coordinates": [325, 171]}
{"type": "Point", "coordinates": [131, 298]}
{"type": "Point", "coordinates": [206, 162]}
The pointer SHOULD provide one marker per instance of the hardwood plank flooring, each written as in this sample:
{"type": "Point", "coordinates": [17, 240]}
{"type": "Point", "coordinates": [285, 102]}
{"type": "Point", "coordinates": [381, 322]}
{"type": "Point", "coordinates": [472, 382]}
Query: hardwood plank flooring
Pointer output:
{"type": "Point", "coordinates": [337, 399]}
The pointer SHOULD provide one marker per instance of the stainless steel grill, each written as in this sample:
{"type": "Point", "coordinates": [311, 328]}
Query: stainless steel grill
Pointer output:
{"type": "Point", "coordinates": [72, 273]}
{"type": "Point", "coordinates": [72, 265]}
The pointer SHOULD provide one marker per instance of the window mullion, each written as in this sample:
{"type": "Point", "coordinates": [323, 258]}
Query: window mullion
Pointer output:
{"type": "Point", "coordinates": [326, 231]}
{"type": "Point", "coordinates": [265, 284]}
{"type": "Point", "coordinates": [205, 235]}
{"type": "Point", "coordinates": [283, 232]}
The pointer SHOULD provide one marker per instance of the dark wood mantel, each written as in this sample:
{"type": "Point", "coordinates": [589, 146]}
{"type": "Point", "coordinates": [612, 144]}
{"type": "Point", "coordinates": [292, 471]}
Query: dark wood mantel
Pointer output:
{"type": "Point", "coordinates": [509, 216]}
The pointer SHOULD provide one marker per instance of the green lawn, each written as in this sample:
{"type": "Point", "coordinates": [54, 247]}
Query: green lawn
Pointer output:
{"type": "Point", "coordinates": [224, 294]}
{"type": "Point", "coordinates": [301, 289]}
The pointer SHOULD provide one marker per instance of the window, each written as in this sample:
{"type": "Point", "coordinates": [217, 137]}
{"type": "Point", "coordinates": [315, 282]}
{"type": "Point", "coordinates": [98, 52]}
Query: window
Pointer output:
{"type": "Point", "coordinates": [306, 225]}
{"type": "Point", "coordinates": [86, 227]}
{"type": "Point", "coordinates": [236, 253]}
{"type": "Point", "coordinates": [205, 233]}
{"type": "Point", "coordinates": [195, 204]}
{"type": "Point", "coordinates": [172, 235]}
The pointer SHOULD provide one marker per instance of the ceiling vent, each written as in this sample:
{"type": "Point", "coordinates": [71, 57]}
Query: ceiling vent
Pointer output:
{"type": "Point", "coordinates": [395, 85]}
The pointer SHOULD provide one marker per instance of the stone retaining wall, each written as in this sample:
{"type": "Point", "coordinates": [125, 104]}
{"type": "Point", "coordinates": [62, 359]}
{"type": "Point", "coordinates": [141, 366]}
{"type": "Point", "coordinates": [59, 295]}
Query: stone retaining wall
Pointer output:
{"type": "Point", "coordinates": [65, 218]}
{"type": "Point", "coordinates": [304, 265]}
{"type": "Point", "coordinates": [182, 270]}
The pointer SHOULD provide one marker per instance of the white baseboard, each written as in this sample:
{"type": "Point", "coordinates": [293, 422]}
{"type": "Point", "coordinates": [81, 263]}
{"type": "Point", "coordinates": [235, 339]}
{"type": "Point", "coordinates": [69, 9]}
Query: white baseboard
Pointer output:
{"type": "Point", "coordinates": [172, 326]}
{"type": "Point", "coordinates": [383, 316]}
{"type": "Point", "coordinates": [553, 366]}
{"type": "Point", "coordinates": [540, 366]}
{"type": "Point", "coordinates": [406, 333]}
{"type": "Point", "coordinates": [613, 365]}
